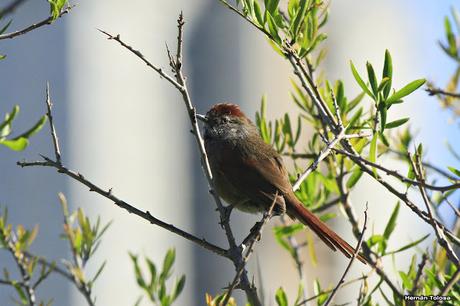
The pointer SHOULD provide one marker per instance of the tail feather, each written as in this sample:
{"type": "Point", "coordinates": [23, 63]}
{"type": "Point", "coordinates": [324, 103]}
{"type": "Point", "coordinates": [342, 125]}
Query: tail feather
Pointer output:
{"type": "Point", "coordinates": [296, 210]}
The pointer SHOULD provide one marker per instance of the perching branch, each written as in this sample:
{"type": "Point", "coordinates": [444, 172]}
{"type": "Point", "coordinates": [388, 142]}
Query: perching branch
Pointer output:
{"type": "Point", "coordinates": [179, 83]}
{"type": "Point", "coordinates": [47, 162]}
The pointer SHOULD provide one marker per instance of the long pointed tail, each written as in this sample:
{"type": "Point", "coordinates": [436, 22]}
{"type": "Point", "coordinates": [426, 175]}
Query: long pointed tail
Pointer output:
{"type": "Point", "coordinates": [296, 210]}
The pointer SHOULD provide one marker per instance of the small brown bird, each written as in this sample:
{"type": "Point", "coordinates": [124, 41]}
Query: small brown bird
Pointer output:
{"type": "Point", "coordinates": [249, 173]}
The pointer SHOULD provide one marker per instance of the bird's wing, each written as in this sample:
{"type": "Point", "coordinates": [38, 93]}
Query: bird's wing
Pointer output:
{"type": "Point", "coordinates": [258, 177]}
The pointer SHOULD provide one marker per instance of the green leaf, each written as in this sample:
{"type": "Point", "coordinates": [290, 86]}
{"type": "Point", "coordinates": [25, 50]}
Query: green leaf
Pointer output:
{"type": "Point", "coordinates": [373, 152]}
{"type": "Point", "coordinates": [33, 130]}
{"type": "Point", "coordinates": [406, 90]}
{"type": "Point", "coordinates": [5, 27]}
{"type": "Point", "coordinates": [281, 297]}
{"type": "Point", "coordinates": [408, 246]}
{"type": "Point", "coordinates": [454, 171]}
{"type": "Point", "coordinates": [387, 73]}
{"type": "Point", "coordinates": [56, 7]}
{"type": "Point", "coordinates": [382, 110]}
{"type": "Point", "coordinates": [287, 230]}
{"type": "Point", "coordinates": [178, 287]}
{"type": "Point", "coordinates": [354, 178]}
{"type": "Point", "coordinates": [360, 81]}
{"type": "Point", "coordinates": [372, 78]}
{"type": "Point", "coordinates": [396, 123]}
{"type": "Point", "coordinates": [272, 5]}
{"type": "Point", "coordinates": [391, 222]}
{"type": "Point", "coordinates": [295, 25]}
{"type": "Point", "coordinates": [273, 28]}
{"type": "Point", "coordinates": [9, 117]}
{"type": "Point", "coordinates": [168, 262]}
{"type": "Point", "coordinates": [258, 14]}
{"type": "Point", "coordinates": [18, 144]}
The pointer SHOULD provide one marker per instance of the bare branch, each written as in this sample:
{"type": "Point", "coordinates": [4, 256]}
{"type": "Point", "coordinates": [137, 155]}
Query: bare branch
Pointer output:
{"type": "Point", "coordinates": [416, 166]}
{"type": "Point", "coordinates": [34, 26]}
{"type": "Point", "coordinates": [122, 204]}
{"type": "Point", "coordinates": [57, 150]}
{"type": "Point", "coordinates": [352, 259]}
{"type": "Point", "coordinates": [255, 234]}
{"type": "Point", "coordinates": [439, 91]}
{"type": "Point", "coordinates": [396, 174]}
{"type": "Point", "coordinates": [324, 153]}
{"type": "Point", "coordinates": [142, 57]}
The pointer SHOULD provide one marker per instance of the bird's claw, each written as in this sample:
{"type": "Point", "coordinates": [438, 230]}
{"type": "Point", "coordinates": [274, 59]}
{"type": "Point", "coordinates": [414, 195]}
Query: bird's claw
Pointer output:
{"type": "Point", "coordinates": [225, 215]}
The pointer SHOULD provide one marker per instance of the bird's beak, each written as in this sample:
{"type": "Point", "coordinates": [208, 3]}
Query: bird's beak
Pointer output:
{"type": "Point", "coordinates": [202, 118]}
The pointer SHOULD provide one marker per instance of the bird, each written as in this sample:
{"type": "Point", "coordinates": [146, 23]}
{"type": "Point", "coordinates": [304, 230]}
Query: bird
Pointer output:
{"type": "Point", "coordinates": [250, 175]}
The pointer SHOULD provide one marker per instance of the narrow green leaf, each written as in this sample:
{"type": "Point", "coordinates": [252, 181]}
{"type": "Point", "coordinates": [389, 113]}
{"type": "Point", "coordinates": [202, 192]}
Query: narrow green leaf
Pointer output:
{"type": "Point", "coordinates": [281, 297]}
{"type": "Point", "coordinates": [372, 78]}
{"type": "Point", "coordinates": [454, 171]}
{"type": "Point", "coordinates": [178, 287]}
{"type": "Point", "coordinates": [408, 246]}
{"type": "Point", "coordinates": [354, 178]}
{"type": "Point", "coordinates": [387, 73]}
{"type": "Point", "coordinates": [295, 25]}
{"type": "Point", "coordinates": [396, 123]}
{"type": "Point", "coordinates": [33, 130]}
{"type": "Point", "coordinates": [373, 152]}
{"type": "Point", "coordinates": [168, 262]}
{"type": "Point", "coordinates": [258, 14]}
{"type": "Point", "coordinates": [272, 6]}
{"type": "Point", "coordinates": [391, 222]}
{"type": "Point", "coordinates": [360, 81]}
{"type": "Point", "coordinates": [15, 144]}
{"type": "Point", "coordinates": [273, 28]}
{"type": "Point", "coordinates": [406, 90]}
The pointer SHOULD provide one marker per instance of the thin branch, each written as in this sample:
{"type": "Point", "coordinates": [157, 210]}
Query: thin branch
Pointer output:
{"type": "Point", "coordinates": [57, 150]}
{"type": "Point", "coordinates": [324, 153]}
{"type": "Point", "coordinates": [304, 302]}
{"type": "Point", "coordinates": [34, 26]}
{"type": "Point", "coordinates": [123, 204]}
{"type": "Point", "coordinates": [439, 234]}
{"type": "Point", "coordinates": [427, 165]}
{"type": "Point", "coordinates": [352, 259]}
{"type": "Point", "coordinates": [10, 8]}
{"type": "Point", "coordinates": [255, 234]}
{"type": "Point", "coordinates": [439, 91]}
{"type": "Point", "coordinates": [396, 174]}
{"type": "Point", "coordinates": [418, 276]}
{"type": "Point", "coordinates": [144, 59]}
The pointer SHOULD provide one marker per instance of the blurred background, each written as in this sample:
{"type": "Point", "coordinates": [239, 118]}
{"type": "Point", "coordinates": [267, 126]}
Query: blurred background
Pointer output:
{"type": "Point", "coordinates": [124, 127]}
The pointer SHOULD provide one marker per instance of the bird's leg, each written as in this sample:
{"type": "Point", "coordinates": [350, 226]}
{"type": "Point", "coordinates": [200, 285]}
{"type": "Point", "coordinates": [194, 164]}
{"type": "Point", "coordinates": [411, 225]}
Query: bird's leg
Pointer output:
{"type": "Point", "coordinates": [225, 216]}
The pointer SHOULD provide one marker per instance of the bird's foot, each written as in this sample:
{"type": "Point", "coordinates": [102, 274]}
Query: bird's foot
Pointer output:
{"type": "Point", "coordinates": [225, 215]}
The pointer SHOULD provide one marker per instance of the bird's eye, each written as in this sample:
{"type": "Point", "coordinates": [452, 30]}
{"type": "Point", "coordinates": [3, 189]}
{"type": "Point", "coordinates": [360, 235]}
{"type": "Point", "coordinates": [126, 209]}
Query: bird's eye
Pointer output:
{"type": "Point", "coordinates": [225, 119]}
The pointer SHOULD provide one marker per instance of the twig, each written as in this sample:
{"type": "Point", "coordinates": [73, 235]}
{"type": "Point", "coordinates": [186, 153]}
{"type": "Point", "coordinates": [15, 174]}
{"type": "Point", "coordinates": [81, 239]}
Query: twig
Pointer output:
{"type": "Point", "coordinates": [304, 302]}
{"type": "Point", "coordinates": [159, 70]}
{"type": "Point", "coordinates": [34, 26]}
{"type": "Point", "coordinates": [255, 235]}
{"type": "Point", "coordinates": [10, 8]}
{"type": "Point", "coordinates": [324, 153]}
{"type": "Point", "coordinates": [439, 91]}
{"type": "Point", "coordinates": [439, 234]}
{"type": "Point", "coordinates": [234, 252]}
{"type": "Point", "coordinates": [57, 150]}
{"type": "Point", "coordinates": [352, 259]}
{"type": "Point", "coordinates": [427, 165]}
{"type": "Point", "coordinates": [146, 215]}
{"type": "Point", "coordinates": [419, 274]}
{"type": "Point", "coordinates": [396, 174]}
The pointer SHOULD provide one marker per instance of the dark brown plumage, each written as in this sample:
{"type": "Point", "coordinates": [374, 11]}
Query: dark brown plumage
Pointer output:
{"type": "Point", "coordinates": [249, 173]}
